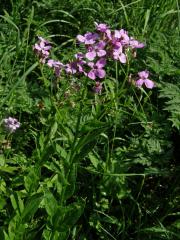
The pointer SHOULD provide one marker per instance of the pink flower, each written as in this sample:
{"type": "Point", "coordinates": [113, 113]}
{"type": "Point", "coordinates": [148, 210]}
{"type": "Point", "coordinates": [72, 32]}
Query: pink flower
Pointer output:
{"type": "Point", "coordinates": [97, 50]}
{"type": "Point", "coordinates": [119, 55]}
{"type": "Point", "coordinates": [97, 69]}
{"type": "Point", "coordinates": [11, 124]}
{"type": "Point", "coordinates": [135, 44]}
{"type": "Point", "coordinates": [42, 49]}
{"type": "Point", "coordinates": [143, 79]}
{"type": "Point", "coordinates": [101, 27]}
{"type": "Point", "coordinates": [122, 35]}
{"type": "Point", "coordinates": [88, 38]}
{"type": "Point", "coordinates": [56, 65]}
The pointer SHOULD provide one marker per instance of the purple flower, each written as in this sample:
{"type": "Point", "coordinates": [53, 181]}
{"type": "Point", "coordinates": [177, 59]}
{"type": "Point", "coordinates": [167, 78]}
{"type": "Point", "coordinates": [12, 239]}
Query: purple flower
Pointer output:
{"type": "Point", "coordinates": [79, 56]}
{"type": "Point", "coordinates": [11, 124]}
{"type": "Point", "coordinates": [42, 49]}
{"type": "Point", "coordinates": [71, 68]}
{"type": "Point", "coordinates": [97, 69]}
{"type": "Point", "coordinates": [88, 38]}
{"type": "Point", "coordinates": [56, 65]}
{"type": "Point", "coordinates": [97, 50]}
{"type": "Point", "coordinates": [109, 34]}
{"type": "Point", "coordinates": [101, 27]}
{"type": "Point", "coordinates": [75, 67]}
{"type": "Point", "coordinates": [91, 55]}
{"type": "Point", "coordinates": [119, 55]}
{"type": "Point", "coordinates": [143, 79]}
{"type": "Point", "coordinates": [135, 44]}
{"type": "Point", "coordinates": [122, 35]}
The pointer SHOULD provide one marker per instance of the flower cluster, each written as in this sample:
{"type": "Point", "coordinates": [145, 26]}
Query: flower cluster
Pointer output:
{"type": "Point", "coordinates": [103, 45]}
{"type": "Point", "coordinates": [11, 124]}
{"type": "Point", "coordinates": [100, 46]}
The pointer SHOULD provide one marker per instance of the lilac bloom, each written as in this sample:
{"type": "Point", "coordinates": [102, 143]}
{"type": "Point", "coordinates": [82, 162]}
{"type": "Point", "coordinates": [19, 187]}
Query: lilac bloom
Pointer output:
{"type": "Point", "coordinates": [11, 124]}
{"type": "Point", "coordinates": [99, 47]}
{"type": "Point", "coordinates": [71, 68]}
{"type": "Point", "coordinates": [79, 56]}
{"type": "Point", "coordinates": [143, 79]}
{"type": "Point", "coordinates": [119, 55]}
{"type": "Point", "coordinates": [88, 38]}
{"type": "Point", "coordinates": [108, 34]}
{"type": "Point", "coordinates": [97, 69]}
{"type": "Point", "coordinates": [75, 67]}
{"type": "Point", "coordinates": [122, 35]}
{"type": "Point", "coordinates": [135, 44]}
{"type": "Point", "coordinates": [102, 27]}
{"type": "Point", "coordinates": [97, 50]}
{"type": "Point", "coordinates": [42, 49]}
{"type": "Point", "coordinates": [56, 65]}
{"type": "Point", "coordinates": [79, 62]}
{"type": "Point", "coordinates": [91, 55]}
{"type": "Point", "coordinates": [53, 63]}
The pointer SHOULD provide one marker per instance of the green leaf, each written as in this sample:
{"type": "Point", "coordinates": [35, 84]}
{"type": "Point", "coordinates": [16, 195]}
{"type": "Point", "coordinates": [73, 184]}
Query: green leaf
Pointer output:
{"type": "Point", "coordinates": [31, 206]}
{"type": "Point", "coordinates": [94, 160]}
{"type": "Point", "coordinates": [53, 130]}
{"type": "Point", "coordinates": [70, 187]}
{"type": "Point", "coordinates": [66, 217]}
{"type": "Point", "coordinates": [2, 202]}
{"type": "Point", "coordinates": [17, 203]}
{"type": "Point", "coordinates": [31, 181]}
{"type": "Point", "coordinates": [8, 169]}
{"type": "Point", "coordinates": [50, 203]}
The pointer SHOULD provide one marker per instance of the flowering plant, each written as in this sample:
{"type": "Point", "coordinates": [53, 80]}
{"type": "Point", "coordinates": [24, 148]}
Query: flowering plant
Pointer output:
{"type": "Point", "coordinates": [100, 47]}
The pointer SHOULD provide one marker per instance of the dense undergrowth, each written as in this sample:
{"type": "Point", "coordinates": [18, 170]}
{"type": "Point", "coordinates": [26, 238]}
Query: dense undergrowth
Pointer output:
{"type": "Point", "coordinates": [85, 165]}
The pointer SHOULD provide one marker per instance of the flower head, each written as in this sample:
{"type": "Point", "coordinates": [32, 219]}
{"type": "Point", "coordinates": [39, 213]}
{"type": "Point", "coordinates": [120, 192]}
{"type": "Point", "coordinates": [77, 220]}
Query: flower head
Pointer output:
{"type": "Point", "coordinates": [119, 55]}
{"type": "Point", "coordinates": [101, 27]}
{"type": "Point", "coordinates": [56, 65]}
{"type": "Point", "coordinates": [143, 79]}
{"type": "Point", "coordinates": [11, 124]}
{"type": "Point", "coordinates": [88, 38]}
{"type": "Point", "coordinates": [97, 69]}
{"type": "Point", "coordinates": [42, 49]}
{"type": "Point", "coordinates": [96, 50]}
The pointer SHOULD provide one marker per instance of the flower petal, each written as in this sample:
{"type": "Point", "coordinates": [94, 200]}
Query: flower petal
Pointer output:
{"type": "Point", "coordinates": [143, 74]}
{"type": "Point", "coordinates": [91, 55]}
{"type": "Point", "coordinates": [92, 75]}
{"type": "Point", "coordinates": [101, 53]}
{"type": "Point", "coordinates": [80, 38]}
{"type": "Point", "coordinates": [100, 73]}
{"type": "Point", "coordinates": [122, 58]}
{"type": "Point", "coordinates": [101, 63]}
{"type": "Point", "coordinates": [149, 83]}
{"type": "Point", "coordinates": [139, 82]}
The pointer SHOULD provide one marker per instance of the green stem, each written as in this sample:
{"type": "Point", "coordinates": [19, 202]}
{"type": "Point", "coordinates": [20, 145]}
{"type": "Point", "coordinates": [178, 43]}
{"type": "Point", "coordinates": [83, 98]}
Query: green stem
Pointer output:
{"type": "Point", "coordinates": [72, 152]}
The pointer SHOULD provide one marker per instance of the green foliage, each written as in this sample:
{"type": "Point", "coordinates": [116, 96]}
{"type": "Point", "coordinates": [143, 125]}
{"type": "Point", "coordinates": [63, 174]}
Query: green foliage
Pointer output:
{"type": "Point", "coordinates": [172, 93]}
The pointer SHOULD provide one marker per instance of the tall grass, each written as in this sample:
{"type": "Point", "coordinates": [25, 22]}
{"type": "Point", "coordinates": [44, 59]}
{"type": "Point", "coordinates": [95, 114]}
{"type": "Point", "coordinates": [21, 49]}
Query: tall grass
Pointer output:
{"type": "Point", "coordinates": [83, 165]}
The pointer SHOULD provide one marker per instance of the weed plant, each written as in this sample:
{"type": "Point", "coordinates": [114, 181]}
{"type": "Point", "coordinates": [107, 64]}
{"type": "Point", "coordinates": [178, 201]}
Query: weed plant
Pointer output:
{"type": "Point", "coordinates": [81, 158]}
